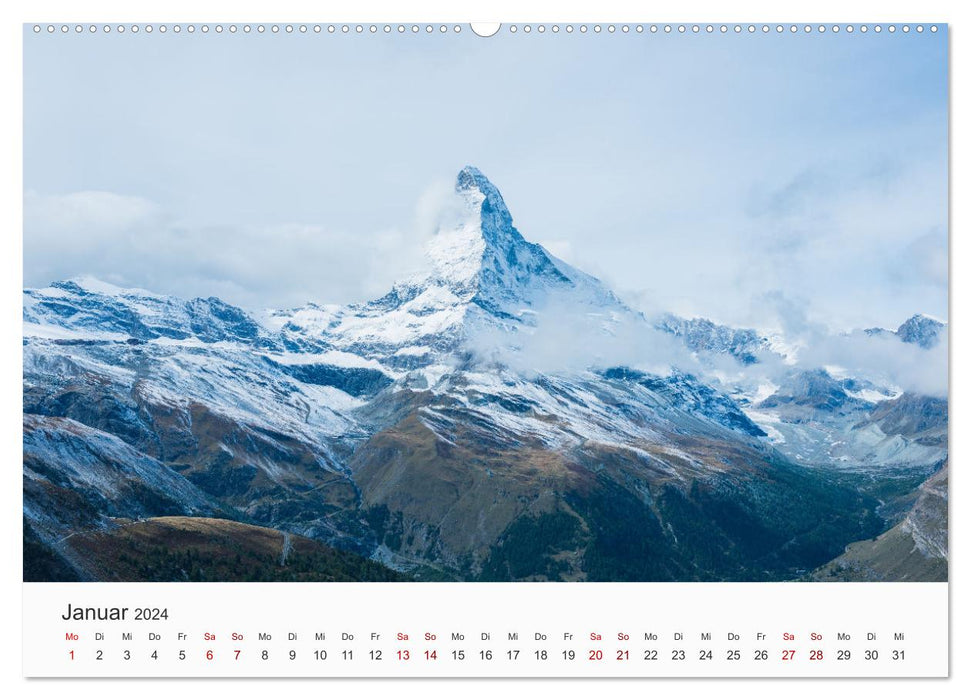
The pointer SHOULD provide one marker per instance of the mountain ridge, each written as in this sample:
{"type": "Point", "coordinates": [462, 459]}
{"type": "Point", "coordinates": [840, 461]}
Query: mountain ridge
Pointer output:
{"type": "Point", "coordinates": [427, 430]}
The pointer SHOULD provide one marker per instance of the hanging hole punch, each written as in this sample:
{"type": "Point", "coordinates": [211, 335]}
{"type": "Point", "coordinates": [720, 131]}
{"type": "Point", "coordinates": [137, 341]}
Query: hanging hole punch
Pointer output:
{"type": "Point", "coordinates": [485, 29]}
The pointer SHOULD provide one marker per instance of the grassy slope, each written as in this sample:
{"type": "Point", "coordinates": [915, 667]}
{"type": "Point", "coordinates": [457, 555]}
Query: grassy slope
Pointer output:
{"type": "Point", "coordinates": [208, 549]}
{"type": "Point", "coordinates": [895, 555]}
{"type": "Point", "coordinates": [890, 557]}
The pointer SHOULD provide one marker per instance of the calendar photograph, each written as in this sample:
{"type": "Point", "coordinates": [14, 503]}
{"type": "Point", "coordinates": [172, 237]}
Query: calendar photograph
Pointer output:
{"type": "Point", "coordinates": [407, 304]}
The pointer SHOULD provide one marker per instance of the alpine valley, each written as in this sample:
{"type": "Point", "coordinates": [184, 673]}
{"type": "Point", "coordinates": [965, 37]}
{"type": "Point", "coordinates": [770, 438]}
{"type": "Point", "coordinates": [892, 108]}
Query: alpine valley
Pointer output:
{"type": "Point", "coordinates": [502, 416]}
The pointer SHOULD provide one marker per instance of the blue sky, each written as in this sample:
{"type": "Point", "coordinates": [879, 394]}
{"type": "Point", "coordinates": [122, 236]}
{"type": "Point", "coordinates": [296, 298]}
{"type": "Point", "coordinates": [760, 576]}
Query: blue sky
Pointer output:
{"type": "Point", "coordinates": [737, 177]}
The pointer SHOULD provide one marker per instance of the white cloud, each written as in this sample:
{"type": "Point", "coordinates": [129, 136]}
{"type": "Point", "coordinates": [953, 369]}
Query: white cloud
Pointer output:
{"type": "Point", "coordinates": [130, 241]}
{"type": "Point", "coordinates": [92, 213]}
{"type": "Point", "coordinates": [883, 359]}
{"type": "Point", "coordinates": [560, 337]}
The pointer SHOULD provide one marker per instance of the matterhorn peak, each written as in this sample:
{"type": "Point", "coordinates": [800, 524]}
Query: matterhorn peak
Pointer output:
{"type": "Point", "coordinates": [484, 257]}
{"type": "Point", "coordinates": [485, 260]}
{"type": "Point", "coordinates": [470, 177]}
{"type": "Point", "coordinates": [477, 188]}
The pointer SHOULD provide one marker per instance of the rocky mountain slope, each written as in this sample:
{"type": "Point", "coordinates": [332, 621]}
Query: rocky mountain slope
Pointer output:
{"type": "Point", "coordinates": [913, 550]}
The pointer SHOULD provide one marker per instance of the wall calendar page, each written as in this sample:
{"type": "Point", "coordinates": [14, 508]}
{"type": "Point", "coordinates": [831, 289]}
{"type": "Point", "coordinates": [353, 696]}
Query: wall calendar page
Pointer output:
{"type": "Point", "coordinates": [519, 350]}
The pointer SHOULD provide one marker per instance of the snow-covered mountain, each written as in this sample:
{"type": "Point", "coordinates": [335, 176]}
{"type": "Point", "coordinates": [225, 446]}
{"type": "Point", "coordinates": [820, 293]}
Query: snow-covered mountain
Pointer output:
{"type": "Point", "coordinates": [918, 329]}
{"type": "Point", "coordinates": [817, 419]}
{"type": "Point", "coordinates": [702, 335]}
{"type": "Point", "coordinates": [501, 416]}
{"type": "Point", "coordinates": [90, 309]}
{"type": "Point", "coordinates": [486, 281]}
